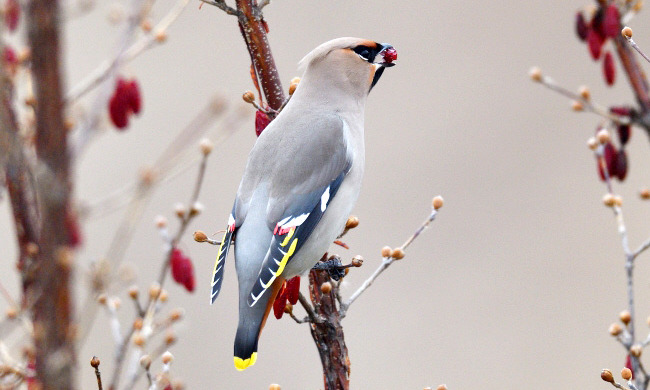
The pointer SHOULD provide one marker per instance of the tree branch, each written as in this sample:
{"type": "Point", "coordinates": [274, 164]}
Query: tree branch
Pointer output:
{"type": "Point", "coordinates": [52, 312]}
{"type": "Point", "coordinates": [254, 30]}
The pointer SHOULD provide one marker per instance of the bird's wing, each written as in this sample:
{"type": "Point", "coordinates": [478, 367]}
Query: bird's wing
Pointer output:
{"type": "Point", "coordinates": [217, 272]}
{"type": "Point", "coordinates": [302, 188]}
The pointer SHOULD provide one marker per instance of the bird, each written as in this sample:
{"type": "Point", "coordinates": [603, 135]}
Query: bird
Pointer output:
{"type": "Point", "coordinates": [302, 179]}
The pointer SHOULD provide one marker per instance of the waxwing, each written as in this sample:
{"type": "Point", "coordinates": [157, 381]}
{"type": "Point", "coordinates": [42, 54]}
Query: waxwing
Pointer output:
{"type": "Point", "coordinates": [301, 181]}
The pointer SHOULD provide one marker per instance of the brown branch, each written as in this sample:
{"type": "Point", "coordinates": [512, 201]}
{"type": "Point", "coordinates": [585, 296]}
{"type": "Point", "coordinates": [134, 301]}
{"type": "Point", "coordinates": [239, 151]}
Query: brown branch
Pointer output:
{"type": "Point", "coordinates": [328, 334]}
{"type": "Point", "coordinates": [637, 78]}
{"type": "Point", "coordinates": [253, 29]}
{"type": "Point", "coordinates": [52, 312]}
{"type": "Point", "coordinates": [17, 175]}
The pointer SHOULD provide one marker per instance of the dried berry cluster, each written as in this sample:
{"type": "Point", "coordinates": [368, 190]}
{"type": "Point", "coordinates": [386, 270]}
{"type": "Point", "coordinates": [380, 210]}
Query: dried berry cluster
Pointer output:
{"type": "Point", "coordinates": [604, 24]}
{"type": "Point", "coordinates": [289, 293]}
{"type": "Point", "coordinates": [126, 100]}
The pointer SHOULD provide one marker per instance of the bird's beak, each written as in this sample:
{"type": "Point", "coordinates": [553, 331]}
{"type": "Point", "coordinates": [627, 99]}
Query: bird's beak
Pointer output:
{"type": "Point", "coordinates": [386, 56]}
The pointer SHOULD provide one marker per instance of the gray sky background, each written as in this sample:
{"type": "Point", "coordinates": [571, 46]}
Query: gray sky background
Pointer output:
{"type": "Point", "coordinates": [518, 279]}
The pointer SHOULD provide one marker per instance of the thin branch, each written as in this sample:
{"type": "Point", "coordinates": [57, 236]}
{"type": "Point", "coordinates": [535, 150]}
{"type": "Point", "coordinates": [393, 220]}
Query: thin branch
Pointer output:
{"type": "Point", "coordinates": [105, 71]}
{"type": "Point", "coordinates": [221, 4]}
{"type": "Point", "coordinates": [263, 3]}
{"type": "Point", "coordinates": [587, 105]}
{"type": "Point", "coordinates": [386, 262]}
{"type": "Point", "coordinates": [311, 314]}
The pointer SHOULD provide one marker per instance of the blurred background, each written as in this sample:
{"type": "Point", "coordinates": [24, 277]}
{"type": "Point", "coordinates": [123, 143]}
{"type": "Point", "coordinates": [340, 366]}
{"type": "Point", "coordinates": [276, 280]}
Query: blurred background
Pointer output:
{"type": "Point", "coordinates": [518, 279]}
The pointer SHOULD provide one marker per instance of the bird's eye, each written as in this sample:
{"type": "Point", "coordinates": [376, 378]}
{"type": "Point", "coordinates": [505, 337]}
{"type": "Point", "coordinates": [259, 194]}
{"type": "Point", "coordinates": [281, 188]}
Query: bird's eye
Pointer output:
{"type": "Point", "coordinates": [363, 52]}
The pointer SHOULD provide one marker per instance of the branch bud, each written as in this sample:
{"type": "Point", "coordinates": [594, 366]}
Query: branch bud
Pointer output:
{"type": "Point", "coordinates": [535, 74]}
{"type": "Point", "coordinates": [607, 376]}
{"type": "Point", "coordinates": [357, 261]}
{"type": "Point", "coordinates": [326, 287]}
{"type": "Point", "coordinates": [615, 329]}
{"type": "Point", "coordinates": [438, 202]}
{"type": "Point", "coordinates": [206, 146]}
{"type": "Point", "coordinates": [386, 251]}
{"type": "Point", "coordinates": [627, 32]}
{"type": "Point", "coordinates": [625, 317]}
{"type": "Point", "coordinates": [94, 362]}
{"type": "Point", "coordinates": [626, 374]}
{"type": "Point", "coordinates": [145, 362]}
{"type": "Point", "coordinates": [352, 222]}
{"type": "Point", "coordinates": [167, 357]}
{"type": "Point", "coordinates": [248, 96]}
{"type": "Point", "coordinates": [200, 236]}
{"type": "Point", "coordinates": [398, 254]}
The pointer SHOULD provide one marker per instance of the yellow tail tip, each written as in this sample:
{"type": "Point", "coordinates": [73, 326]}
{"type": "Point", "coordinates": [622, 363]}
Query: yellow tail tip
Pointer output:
{"type": "Point", "coordinates": [242, 364]}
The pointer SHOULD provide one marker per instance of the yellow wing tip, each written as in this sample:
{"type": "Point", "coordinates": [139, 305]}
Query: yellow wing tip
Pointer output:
{"type": "Point", "coordinates": [242, 364]}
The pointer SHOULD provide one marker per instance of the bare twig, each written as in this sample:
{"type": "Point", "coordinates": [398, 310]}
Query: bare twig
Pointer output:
{"type": "Point", "coordinates": [386, 262]}
{"type": "Point", "coordinates": [94, 362]}
{"type": "Point", "coordinates": [308, 308]}
{"type": "Point", "coordinates": [104, 71]}
{"type": "Point", "coordinates": [587, 105]}
{"type": "Point", "coordinates": [221, 4]}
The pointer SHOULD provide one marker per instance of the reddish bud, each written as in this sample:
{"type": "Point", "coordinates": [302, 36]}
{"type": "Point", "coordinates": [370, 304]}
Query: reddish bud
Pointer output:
{"type": "Point", "coordinates": [261, 121]}
{"type": "Point", "coordinates": [611, 22]}
{"type": "Point", "coordinates": [293, 289]}
{"type": "Point", "coordinates": [581, 26]}
{"type": "Point", "coordinates": [624, 132]}
{"type": "Point", "coordinates": [609, 69]}
{"type": "Point", "coordinates": [621, 165]}
{"type": "Point", "coordinates": [182, 269]}
{"type": "Point", "coordinates": [595, 43]}
{"type": "Point", "coordinates": [628, 365]}
{"type": "Point", "coordinates": [12, 14]}
{"type": "Point", "coordinates": [390, 55]}
{"type": "Point", "coordinates": [597, 23]}
{"type": "Point", "coordinates": [621, 111]}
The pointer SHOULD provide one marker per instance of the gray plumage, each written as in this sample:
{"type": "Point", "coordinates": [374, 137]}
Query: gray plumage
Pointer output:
{"type": "Point", "coordinates": [301, 181]}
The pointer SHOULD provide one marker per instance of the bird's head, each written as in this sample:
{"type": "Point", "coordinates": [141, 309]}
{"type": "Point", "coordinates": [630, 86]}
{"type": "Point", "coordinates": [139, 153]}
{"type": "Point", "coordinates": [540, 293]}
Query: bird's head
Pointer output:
{"type": "Point", "coordinates": [349, 62]}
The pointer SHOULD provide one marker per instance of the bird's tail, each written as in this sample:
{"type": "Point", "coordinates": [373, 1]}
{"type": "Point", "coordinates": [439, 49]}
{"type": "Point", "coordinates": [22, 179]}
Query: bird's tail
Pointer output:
{"type": "Point", "coordinates": [251, 323]}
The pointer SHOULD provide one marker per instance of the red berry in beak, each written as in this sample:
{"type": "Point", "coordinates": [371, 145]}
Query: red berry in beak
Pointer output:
{"type": "Point", "coordinates": [390, 55]}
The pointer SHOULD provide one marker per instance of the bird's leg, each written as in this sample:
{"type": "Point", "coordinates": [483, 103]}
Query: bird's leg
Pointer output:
{"type": "Point", "coordinates": [333, 266]}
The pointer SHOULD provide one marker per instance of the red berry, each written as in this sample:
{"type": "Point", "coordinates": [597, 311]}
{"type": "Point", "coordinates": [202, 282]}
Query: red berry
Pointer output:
{"type": "Point", "coordinates": [261, 121]}
{"type": "Point", "coordinates": [595, 43]}
{"type": "Point", "coordinates": [126, 100]}
{"type": "Point", "coordinates": [132, 91]}
{"type": "Point", "coordinates": [12, 14]}
{"type": "Point", "coordinates": [609, 69]}
{"type": "Point", "coordinates": [117, 111]}
{"type": "Point", "coordinates": [390, 54]}
{"type": "Point", "coordinates": [581, 26]}
{"type": "Point", "coordinates": [182, 269]}
{"type": "Point", "coordinates": [611, 22]}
